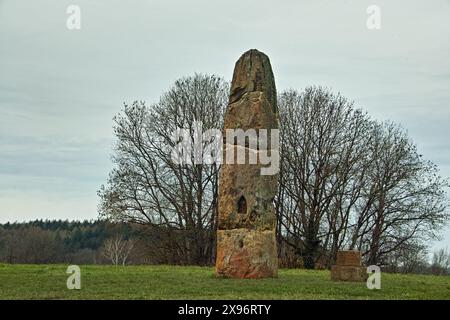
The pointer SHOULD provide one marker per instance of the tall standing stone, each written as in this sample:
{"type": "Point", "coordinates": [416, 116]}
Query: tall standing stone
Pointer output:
{"type": "Point", "coordinates": [246, 243]}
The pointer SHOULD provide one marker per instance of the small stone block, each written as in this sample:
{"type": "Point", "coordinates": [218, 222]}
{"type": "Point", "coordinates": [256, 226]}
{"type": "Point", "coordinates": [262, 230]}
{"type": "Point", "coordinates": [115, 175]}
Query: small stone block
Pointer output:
{"type": "Point", "coordinates": [348, 258]}
{"type": "Point", "coordinates": [349, 273]}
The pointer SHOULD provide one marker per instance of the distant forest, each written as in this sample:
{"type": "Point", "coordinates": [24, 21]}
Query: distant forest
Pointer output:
{"type": "Point", "coordinates": [86, 242]}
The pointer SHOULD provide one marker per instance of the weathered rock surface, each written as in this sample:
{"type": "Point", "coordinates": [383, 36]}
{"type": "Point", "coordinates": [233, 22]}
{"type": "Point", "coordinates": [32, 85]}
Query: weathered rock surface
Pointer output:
{"type": "Point", "coordinates": [241, 183]}
{"type": "Point", "coordinates": [348, 273]}
{"type": "Point", "coordinates": [246, 244]}
{"type": "Point", "coordinates": [253, 73]}
{"type": "Point", "coordinates": [348, 258]}
{"type": "Point", "coordinates": [245, 253]}
{"type": "Point", "coordinates": [252, 111]}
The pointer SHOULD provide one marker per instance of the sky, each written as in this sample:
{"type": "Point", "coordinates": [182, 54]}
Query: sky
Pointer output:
{"type": "Point", "coordinates": [60, 88]}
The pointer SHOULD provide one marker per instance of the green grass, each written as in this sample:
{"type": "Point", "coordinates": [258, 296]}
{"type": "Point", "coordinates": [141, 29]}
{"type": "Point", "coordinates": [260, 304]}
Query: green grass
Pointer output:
{"type": "Point", "coordinates": [171, 282]}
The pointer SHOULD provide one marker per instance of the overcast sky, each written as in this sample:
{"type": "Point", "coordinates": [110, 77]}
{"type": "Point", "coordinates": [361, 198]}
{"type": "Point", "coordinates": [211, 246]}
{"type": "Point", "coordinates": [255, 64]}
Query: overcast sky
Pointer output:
{"type": "Point", "coordinates": [60, 88]}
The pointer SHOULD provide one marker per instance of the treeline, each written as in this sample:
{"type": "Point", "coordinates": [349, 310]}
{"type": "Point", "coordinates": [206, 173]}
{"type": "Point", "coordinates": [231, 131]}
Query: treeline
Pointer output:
{"type": "Point", "coordinates": [102, 242]}
{"type": "Point", "coordinates": [85, 242]}
{"type": "Point", "coordinates": [44, 241]}
{"type": "Point", "coordinates": [346, 181]}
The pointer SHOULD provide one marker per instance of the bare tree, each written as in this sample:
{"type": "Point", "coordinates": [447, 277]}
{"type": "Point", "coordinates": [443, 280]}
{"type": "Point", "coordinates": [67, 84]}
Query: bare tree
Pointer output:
{"type": "Point", "coordinates": [404, 199]}
{"type": "Point", "coordinates": [441, 262]}
{"type": "Point", "coordinates": [323, 141]}
{"type": "Point", "coordinates": [348, 182]}
{"type": "Point", "coordinates": [148, 187]}
{"type": "Point", "coordinates": [117, 249]}
{"type": "Point", "coordinates": [410, 257]}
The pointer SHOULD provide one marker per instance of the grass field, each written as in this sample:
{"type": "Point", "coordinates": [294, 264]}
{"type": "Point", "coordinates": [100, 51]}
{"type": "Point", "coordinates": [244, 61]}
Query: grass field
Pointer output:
{"type": "Point", "coordinates": [170, 282]}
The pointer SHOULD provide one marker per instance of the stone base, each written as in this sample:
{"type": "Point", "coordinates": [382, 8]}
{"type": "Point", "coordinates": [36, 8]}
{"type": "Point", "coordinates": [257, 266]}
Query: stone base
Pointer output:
{"type": "Point", "coordinates": [245, 253]}
{"type": "Point", "coordinates": [349, 273]}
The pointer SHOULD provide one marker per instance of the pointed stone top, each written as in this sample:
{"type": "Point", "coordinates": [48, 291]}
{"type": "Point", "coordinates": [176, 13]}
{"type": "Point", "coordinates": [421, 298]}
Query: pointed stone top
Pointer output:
{"type": "Point", "coordinates": [253, 72]}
